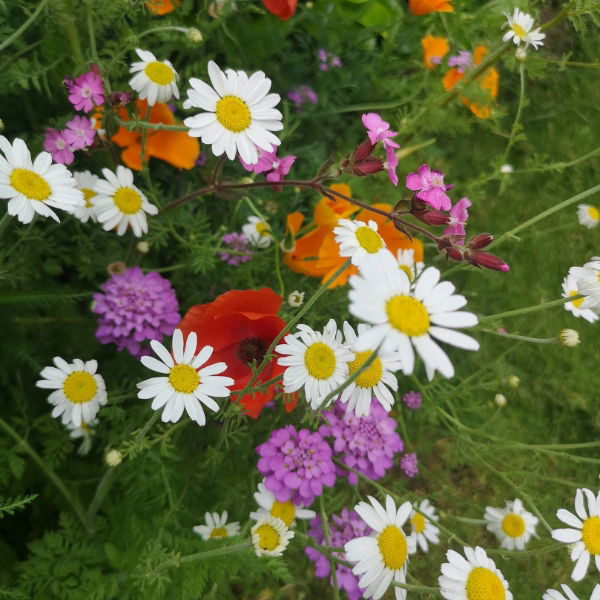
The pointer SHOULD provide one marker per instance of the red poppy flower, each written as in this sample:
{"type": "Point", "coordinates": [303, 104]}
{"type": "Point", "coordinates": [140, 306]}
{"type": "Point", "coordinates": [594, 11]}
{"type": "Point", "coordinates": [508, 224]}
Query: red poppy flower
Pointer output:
{"type": "Point", "coordinates": [283, 9]}
{"type": "Point", "coordinates": [240, 325]}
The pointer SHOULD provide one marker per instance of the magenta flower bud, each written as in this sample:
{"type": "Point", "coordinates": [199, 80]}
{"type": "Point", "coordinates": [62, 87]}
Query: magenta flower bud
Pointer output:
{"type": "Point", "coordinates": [433, 217]}
{"type": "Point", "coordinates": [454, 254]}
{"type": "Point", "coordinates": [363, 151]}
{"type": "Point", "coordinates": [481, 240]}
{"type": "Point", "coordinates": [120, 99]}
{"type": "Point", "coordinates": [489, 261]}
{"type": "Point", "coordinates": [368, 166]}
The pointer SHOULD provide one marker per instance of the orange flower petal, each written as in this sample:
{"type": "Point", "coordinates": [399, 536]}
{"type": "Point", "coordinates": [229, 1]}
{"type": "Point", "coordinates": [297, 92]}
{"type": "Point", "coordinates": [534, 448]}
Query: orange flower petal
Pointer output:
{"type": "Point", "coordinates": [328, 211]}
{"type": "Point", "coordinates": [424, 7]}
{"type": "Point", "coordinates": [433, 47]}
{"type": "Point", "coordinates": [161, 7]}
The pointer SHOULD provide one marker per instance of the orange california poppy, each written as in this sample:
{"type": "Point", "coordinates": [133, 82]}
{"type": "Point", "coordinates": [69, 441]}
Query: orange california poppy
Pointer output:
{"type": "Point", "coordinates": [162, 7]}
{"type": "Point", "coordinates": [175, 147]}
{"type": "Point", "coordinates": [283, 9]}
{"type": "Point", "coordinates": [424, 7]}
{"type": "Point", "coordinates": [434, 49]}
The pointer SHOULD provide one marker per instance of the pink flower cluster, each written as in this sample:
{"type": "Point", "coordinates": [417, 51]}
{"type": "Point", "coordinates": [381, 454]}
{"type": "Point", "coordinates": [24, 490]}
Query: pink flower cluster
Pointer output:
{"type": "Point", "coordinates": [379, 130]}
{"type": "Point", "coordinates": [328, 60]}
{"type": "Point", "coordinates": [275, 168]}
{"type": "Point", "coordinates": [239, 244]}
{"type": "Point", "coordinates": [85, 91]}
{"type": "Point", "coordinates": [302, 94]}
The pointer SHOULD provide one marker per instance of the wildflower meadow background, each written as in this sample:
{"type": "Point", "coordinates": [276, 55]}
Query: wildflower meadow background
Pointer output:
{"type": "Point", "coordinates": [299, 299]}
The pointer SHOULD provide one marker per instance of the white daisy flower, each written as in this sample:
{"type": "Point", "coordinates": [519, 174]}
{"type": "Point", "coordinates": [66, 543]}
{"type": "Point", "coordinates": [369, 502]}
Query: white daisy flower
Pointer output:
{"type": "Point", "coordinates": [78, 390]}
{"type": "Point", "coordinates": [375, 380]}
{"type": "Point", "coordinates": [258, 232]}
{"type": "Point", "coordinates": [406, 261]}
{"type": "Point", "coordinates": [588, 215]}
{"type": "Point", "coordinates": [240, 113]}
{"type": "Point", "coordinates": [583, 531]}
{"type": "Point", "coordinates": [423, 530]}
{"type": "Point", "coordinates": [568, 594]}
{"type": "Point", "coordinates": [120, 203]}
{"type": "Point", "coordinates": [357, 239]}
{"type": "Point", "coordinates": [588, 282]}
{"type": "Point", "coordinates": [295, 299]}
{"type": "Point", "coordinates": [475, 578]}
{"type": "Point", "coordinates": [83, 431]}
{"type": "Point", "coordinates": [216, 526]}
{"type": "Point", "coordinates": [520, 30]}
{"type": "Point", "coordinates": [405, 315]}
{"type": "Point", "coordinates": [382, 557]}
{"type": "Point", "coordinates": [184, 385]}
{"type": "Point", "coordinates": [288, 512]}
{"type": "Point", "coordinates": [154, 80]}
{"type": "Point", "coordinates": [512, 525]}
{"type": "Point", "coordinates": [270, 536]}
{"type": "Point", "coordinates": [570, 289]}
{"type": "Point", "coordinates": [316, 361]}
{"type": "Point", "coordinates": [35, 186]}
{"type": "Point", "coordinates": [86, 181]}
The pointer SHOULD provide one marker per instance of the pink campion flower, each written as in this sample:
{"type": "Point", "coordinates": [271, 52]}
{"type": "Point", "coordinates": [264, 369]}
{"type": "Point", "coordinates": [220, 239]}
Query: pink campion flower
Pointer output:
{"type": "Point", "coordinates": [86, 91]}
{"type": "Point", "coordinates": [463, 61]}
{"type": "Point", "coordinates": [391, 161]}
{"type": "Point", "coordinates": [80, 132]}
{"type": "Point", "coordinates": [267, 161]}
{"type": "Point", "coordinates": [430, 187]}
{"type": "Point", "coordinates": [458, 218]}
{"type": "Point", "coordinates": [378, 130]}
{"type": "Point", "coordinates": [60, 149]}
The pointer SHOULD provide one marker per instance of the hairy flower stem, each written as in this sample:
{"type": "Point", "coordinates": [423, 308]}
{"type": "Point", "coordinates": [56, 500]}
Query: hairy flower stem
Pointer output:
{"type": "Point", "coordinates": [529, 309]}
{"type": "Point", "coordinates": [52, 476]}
{"type": "Point", "coordinates": [18, 32]}
{"type": "Point", "coordinates": [325, 526]}
{"type": "Point", "coordinates": [165, 28]}
{"type": "Point", "coordinates": [515, 126]}
{"type": "Point", "coordinates": [521, 338]}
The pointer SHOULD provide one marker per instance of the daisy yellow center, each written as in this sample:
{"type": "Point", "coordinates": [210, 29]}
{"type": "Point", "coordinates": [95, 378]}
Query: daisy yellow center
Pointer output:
{"type": "Point", "coordinates": [408, 271]}
{"type": "Point", "coordinates": [268, 538]}
{"type": "Point", "coordinates": [285, 511]}
{"type": "Point", "coordinates": [80, 387]}
{"type": "Point", "coordinates": [519, 31]}
{"type": "Point", "coordinates": [369, 239]}
{"type": "Point", "coordinates": [128, 201]}
{"type": "Point", "coordinates": [263, 228]}
{"type": "Point", "coordinates": [87, 195]}
{"type": "Point", "coordinates": [513, 525]}
{"type": "Point", "coordinates": [576, 303]}
{"type": "Point", "coordinates": [393, 547]}
{"type": "Point", "coordinates": [233, 113]}
{"type": "Point", "coordinates": [418, 523]}
{"type": "Point", "coordinates": [371, 375]}
{"type": "Point", "coordinates": [30, 184]}
{"type": "Point", "coordinates": [184, 378]}
{"type": "Point", "coordinates": [593, 213]}
{"type": "Point", "coordinates": [407, 315]}
{"type": "Point", "coordinates": [483, 584]}
{"type": "Point", "coordinates": [159, 73]}
{"type": "Point", "coordinates": [218, 532]}
{"type": "Point", "coordinates": [320, 360]}
{"type": "Point", "coordinates": [590, 532]}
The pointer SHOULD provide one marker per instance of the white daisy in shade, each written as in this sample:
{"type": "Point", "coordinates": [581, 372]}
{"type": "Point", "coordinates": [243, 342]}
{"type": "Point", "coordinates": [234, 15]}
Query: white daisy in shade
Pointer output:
{"type": "Point", "coordinates": [475, 578]}
{"type": "Point", "coordinates": [79, 391]}
{"type": "Point", "coordinates": [86, 182]}
{"type": "Point", "coordinates": [381, 558]}
{"type": "Point", "coordinates": [588, 215]}
{"type": "Point", "coordinates": [357, 239]}
{"type": "Point", "coordinates": [184, 385]}
{"type": "Point", "coordinates": [570, 289]}
{"type": "Point", "coordinates": [120, 204]}
{"type": "Point", "coordinates": [568, 594]}
{"type": "Point", "coordinates": [84, 432]}
{"type": "Point", "coordinates": [240, 113]}
{"type": "Point", "coordinates": [512, 525]}
{"type": "Point", "coordinates": [520, 30]}
{"type": "Point", "coordinates": [376, 380]}
{"type": "Point", "coordinates": [154, 80]}
{"type": "Point", "coordinates": [288, 512]}
{"type": "Point", "coordinates": [423, 531]}
{"type": "Point", "coordinates": [405, 315]}
{"type": "Point", "coordinates": [35, 186]}
{"type": "Point", "coordinates": [270, 536]}
{"type": "Point", "coordinates": [406, 261]}
{"type": "Point", "coordinates": [216, 526]}
{"type": "Point", "coordinates": [588, 282]}
{"type": "Point", "coordinates": [257, 232]}
{"type": "Point", "coordinates": [316, 361]}
{"type": "Point", "coordinates": [583, 531]}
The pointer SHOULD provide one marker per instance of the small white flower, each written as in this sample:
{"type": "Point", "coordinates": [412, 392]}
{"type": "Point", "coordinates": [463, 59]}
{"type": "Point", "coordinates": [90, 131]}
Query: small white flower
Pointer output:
{"type": "Point", "coordinates": [568, 338]}
{"type": "Point", "coordinates": [316, 361]}
{"type": "Point", "coordinates": [84, 431]}
{"type": "Point", "coordinates": [568, 594]}
{"type": "Point", "coordinates": [257, 232]}
{"type": "Point", "coordinates": [520, 30]}
{"type": "Point", "coordinates": [184, 385]}
{"type": "Point", "coordinates": [296, 299]}
{"type": "Point", "coordinates": [587, 279]}
{"type": "Point", "coordinates": [512, 525]}
{"type": "Point", "coordinates": [143, 247]}
{"type": "Point", "coordinates": [154, 80]}
{"type": "Point", "coordinates": [35, 186]}
{"type": "Point", "coordinates": [216, 526]}
{"type": "Point", "coordinates": [588, 215]}
{"type": "Point", "coordinates": [270, 537]}
{"type": "Point", "coordinates": [506, 169]}
{"type": "Point", "coordinates": [577, 307]}
{"type": "Point", "coordinates": [583, 531]}
{"type": "Point", "coordinates": [423, 530]}
{"type": "Point", "coordinates": [357, 239]}
{"type": "Point", "coordinates": [113, 458]}
{"type": "Point", "coordinates": [120, 203]}
{"type": "Point", "coordinates": [288, 512]}
{"type": "Point", "coordinates": [78, 390]}
{"type": "Point", "coordinates": [86, 182]}
{"type": "Point", "coordinates": [406, 261]}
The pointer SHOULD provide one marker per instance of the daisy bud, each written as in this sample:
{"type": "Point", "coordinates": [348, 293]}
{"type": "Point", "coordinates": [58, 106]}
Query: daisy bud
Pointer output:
{"type": "Point", "coordinates": [500, 400]}
{"type": "Point", "coordinates": [521, 54]}
{"type": "Point", "coordinates": [116, 268]}
{"type": "Point", "coordinates": [433, 217]}
{"type": "Point", "coordinates": [480, 241]}
{"type": "Point", "coordinates": [568, 338]}
{"type": "Point", "coordinates": [143, 247]}
{"type": "Point", "coordinates": [489, 261]}
{"type": "Point", "coordinates": [367, 167]}
{"type": "Point", "coordinates": [506, 169]}
{"type": "Point", "coordinates": [246, 180]}
{"type": "Point", "coordinates": [113, 458]}
{"type": "Point", "coordinates": [194, 36]}
{"type": "Point", "coordinates": [512, 381]}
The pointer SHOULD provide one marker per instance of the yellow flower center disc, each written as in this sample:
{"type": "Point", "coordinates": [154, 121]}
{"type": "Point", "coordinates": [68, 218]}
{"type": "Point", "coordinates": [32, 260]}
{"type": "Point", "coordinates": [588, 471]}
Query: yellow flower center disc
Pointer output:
{"type": "Point", "coordinates": [159, 73]}
{"type": "Point", "coordinates": [519, 30]}
{"type": "Point", "coordinates": [128, 201]}
{"type": "Point", "coordinates": [87, 196]}
{"type": "Point", "coordinates": [369, 239]}
{"type": "Point", "coordinates": [268, 538]}
{"type": "Point", "coordinates": [30, 184]}
{"type": "Point", "coordinates": [513, 525]}
{"type": "Point", "coordinates": [576, 303]}
{"type": "Point", "coordinates": [371, 375]}
{"type": "Point", "coordinates": [418, 522]}
{"type": "Point", "coordinates": [286, 511]}
{"type": "Point", "coordinates": [184, 378]}
{"type": "Point", "coordinates": [594, 213]}
{"type": "Point", "coordinates": [590, 533]}
{"type": "Point", "coordinates": [218, 532]}
{"type": "Point", "coordinates": [482, 584]}
{"type": "Point", "coordinates": [233, 113]}
{"type": "Point", "coordinates": [320, 360]}
{"type": "Point", "coordinates": [393, 547]}
{"type": "Point", "coordinates": [80, 387]}
{"type": "Point", "coordinates": [408, 315]}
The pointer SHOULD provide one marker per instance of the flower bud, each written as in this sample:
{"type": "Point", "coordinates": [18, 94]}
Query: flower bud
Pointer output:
{"type": "Point", "coordinates": [143, 247]}
{"type": "Point", "coordinates": [120, 99]}
{"type": "Point", "coordinates": [489, 261]}
{"type": "Point", "coordinates": [500, 400]}
{"type": "Point", "coordinates": [68, 82]}
{"type": "Point", "coordinates": [194, 36]}
{"type": "Point", "coordinates": [368, 166]}
{"type": "Point", "coordinates": [295, 299]}
{"type": "Point", "coordinates": [512, 381]}
{"type": "Point", "coordinates": [521, 54]}
{"type": "Point", "coordinates": [506, 169]}
{"type": "Point", "coordinates": [246, 180]}
{"type": "Point", "coordinates": [288, 243]}
{"type": "Point", "coordinates": [433, 217]}
{"type": "Point", "coordinates": [363, 151]}
{"type": "Point", "coordinates": [113, 458]}
{"type": "Point", "coordinates": [568, 338]}
{"type": "Point", "coordinates": [116, 268]}
{"type": "Point", "coordinates": [454, 254]}
{"type": "Point", "coordinates": [481, 240]}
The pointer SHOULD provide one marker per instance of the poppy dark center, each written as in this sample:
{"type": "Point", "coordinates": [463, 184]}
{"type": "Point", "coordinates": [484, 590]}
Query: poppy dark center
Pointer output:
{"type": "Point", "coordinates": [252, 348]}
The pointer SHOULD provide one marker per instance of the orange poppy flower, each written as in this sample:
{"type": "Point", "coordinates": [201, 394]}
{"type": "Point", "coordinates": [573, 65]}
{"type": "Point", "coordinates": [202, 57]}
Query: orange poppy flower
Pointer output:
{"type": "Point", "coordinates": [328, 211]}
{"type": "Point", "coordinates": [175, 147]}
{"type": "Point", "coordinates": [424, 7]}
{"type": "Point", "coordinates": [283, 9]}
{"type": "Point", "coordinates": [434, 49]}
{"type": "Point", "coordinates": [162, 7]}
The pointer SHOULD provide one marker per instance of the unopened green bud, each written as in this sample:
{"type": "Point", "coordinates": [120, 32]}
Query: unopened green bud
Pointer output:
{"type": "Point", "coordinates": [194, 36]}
{"type": "Point", "coordinates": [113, 458]}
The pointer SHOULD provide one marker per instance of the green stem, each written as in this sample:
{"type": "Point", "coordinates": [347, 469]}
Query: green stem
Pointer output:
{"type": "Point", "coordinates": [134, 123]}
{"type": "Point", "coordinates": [417, 588]}
{"type": "Point", "coordinates": [66, 13]}
{"type": "Point", "coordinates": [325, 527]}
{"type": "Point", "coordinates": [217, 552]}
{"type": "Point", "coordinates": [515, 126]}
{"type": "Point", "coordinates": [71, 500]}
{"type": "Point", "coordinates": [166, 28]}
{"type": "Point", "coordinates": [521, 338]}
{"type": "Point", "coordinates": [17, 33]}
{"type": "Point", "coordinates": [528, 309]}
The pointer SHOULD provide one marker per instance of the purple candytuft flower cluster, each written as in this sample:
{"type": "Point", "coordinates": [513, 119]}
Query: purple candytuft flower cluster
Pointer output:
{"type": "Point", "coordinates": [343, 528]}
{"type": "Point", "coordinates": [296, 465]}
{"type": "Point", "coordinates": [134, 308]}
{"type": "Point", "coordinates": [328, 60]}
{"type": "Point", "coordinates": [367, 444]}
{"type": "Point", "coordinates": [408, 464]}
{"type": "Point", "coordinates": [302, 94]}
{"type": "Point", "coordinates": [463, 61]}
{"type": "Point", "coordinates": [238, 243]}
{"type": "Point", "coordinates": [412, 400]}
